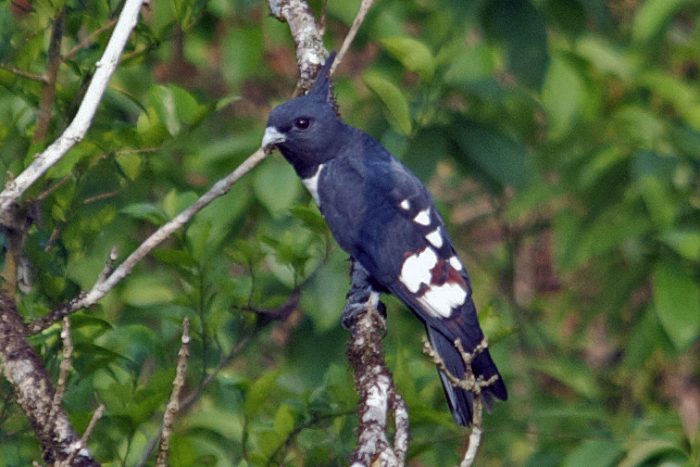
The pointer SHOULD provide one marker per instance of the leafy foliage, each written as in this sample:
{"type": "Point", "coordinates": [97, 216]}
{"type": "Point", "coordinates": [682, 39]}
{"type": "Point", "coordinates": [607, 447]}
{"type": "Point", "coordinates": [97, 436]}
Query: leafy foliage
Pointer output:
{"type": "Point", "coordinates": [561, 138]}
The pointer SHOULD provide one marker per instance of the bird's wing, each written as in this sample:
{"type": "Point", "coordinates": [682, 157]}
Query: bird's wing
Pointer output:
{"type": "Point", "coordinates": [385, 218]}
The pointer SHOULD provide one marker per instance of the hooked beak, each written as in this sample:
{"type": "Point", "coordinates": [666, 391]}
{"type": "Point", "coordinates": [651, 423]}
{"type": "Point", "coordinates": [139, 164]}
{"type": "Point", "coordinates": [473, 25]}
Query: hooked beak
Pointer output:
{"type": "Point", "coordinates": [272, 137]}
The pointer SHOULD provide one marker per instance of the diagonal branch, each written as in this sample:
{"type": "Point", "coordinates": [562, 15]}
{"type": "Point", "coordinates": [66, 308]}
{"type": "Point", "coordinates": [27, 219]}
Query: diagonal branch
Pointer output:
{"type": "Point", "coordinates": [357, 22]}
{"type": "Point", "coordinates": [102, 287]}
{"type": "Point", "coordinates": [83, 118]}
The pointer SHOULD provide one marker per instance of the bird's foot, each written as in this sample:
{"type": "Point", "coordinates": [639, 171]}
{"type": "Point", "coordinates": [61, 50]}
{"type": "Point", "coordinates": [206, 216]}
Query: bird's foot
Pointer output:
{"type": "Point", "coordinates": [359, 300]}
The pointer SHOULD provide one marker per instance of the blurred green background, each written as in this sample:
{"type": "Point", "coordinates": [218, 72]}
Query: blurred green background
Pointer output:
{"type": "Point", "coordinates": [561, 139]}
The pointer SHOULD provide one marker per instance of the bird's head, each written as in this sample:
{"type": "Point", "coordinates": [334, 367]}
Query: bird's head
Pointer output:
{"type": "Point", "coordinates": [305, 129]}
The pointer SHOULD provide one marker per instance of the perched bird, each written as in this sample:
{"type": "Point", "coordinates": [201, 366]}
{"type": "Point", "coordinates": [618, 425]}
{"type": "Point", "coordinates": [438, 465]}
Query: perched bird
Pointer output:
{"type": "Point", "coordinates": [384, 217]}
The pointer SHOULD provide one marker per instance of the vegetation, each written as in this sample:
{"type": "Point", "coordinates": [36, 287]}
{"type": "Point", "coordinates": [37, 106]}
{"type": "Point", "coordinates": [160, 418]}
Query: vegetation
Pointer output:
{"type": "Point", "coordinates": [561, 139]}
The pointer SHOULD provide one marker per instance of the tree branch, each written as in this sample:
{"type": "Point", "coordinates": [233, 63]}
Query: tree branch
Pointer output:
{"type": "Point", "coordinates": [307, 38]}
{"type": "Point", "coordinates": [357, 22]}
{"type": "Point", "coordinates": [83, 118]}
{"type": "Point", "coordinates": [378, 396]}
{"type": "Point", "coordinates": [469, 383]}
{"type": "Point", "coordinates": [35, 393]}
{"type": "Point", "coordinates": [173, 405]}
{"type": "Point", "coordinates": [23, 73]}
{"type": "Point", "coordinates": [49, 91]}
{"type": "Point", "coordinates": [102, 287]}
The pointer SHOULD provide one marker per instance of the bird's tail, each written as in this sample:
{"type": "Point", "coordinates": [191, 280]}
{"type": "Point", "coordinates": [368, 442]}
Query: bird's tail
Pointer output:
{"type": "Point", "coordinates": [461, 401]}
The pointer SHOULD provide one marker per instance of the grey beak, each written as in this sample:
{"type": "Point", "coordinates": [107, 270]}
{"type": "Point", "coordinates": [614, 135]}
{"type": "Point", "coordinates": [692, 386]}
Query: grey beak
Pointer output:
{"type": "Point", "coordinates": [272, 136]}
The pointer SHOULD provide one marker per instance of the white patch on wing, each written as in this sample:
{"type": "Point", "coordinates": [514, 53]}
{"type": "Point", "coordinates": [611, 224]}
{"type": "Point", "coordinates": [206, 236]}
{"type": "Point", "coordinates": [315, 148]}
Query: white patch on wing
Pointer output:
{"type": "Point", "coordinates": [417, 269]}
{"type": "Point", "coordinates": [456, 264]}
{"type": "Point", "coordinates": [423, 217]}
{"type": "Point", "coordinates": [440, 300]}
{"type": "Point", "coordinates": [311, 184]}
{"type": "Point", "coordinates": [405, 205]}
{"type": "Point", "coordinates": [435, 238]}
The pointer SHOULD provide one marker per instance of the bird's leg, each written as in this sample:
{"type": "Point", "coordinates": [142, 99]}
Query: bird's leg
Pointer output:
{"type": "Point", "coordinates": [361, 296]}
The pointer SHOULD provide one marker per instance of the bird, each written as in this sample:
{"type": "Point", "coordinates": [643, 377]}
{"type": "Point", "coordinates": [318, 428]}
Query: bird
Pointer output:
{"type": "Point", "coordinates": [383, 216]}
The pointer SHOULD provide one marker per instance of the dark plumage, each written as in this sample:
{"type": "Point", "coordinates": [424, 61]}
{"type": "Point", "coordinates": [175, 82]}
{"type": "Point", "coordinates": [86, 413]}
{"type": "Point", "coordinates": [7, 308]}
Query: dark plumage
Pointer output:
{"type": "Point", "coordinates": [384, 217]}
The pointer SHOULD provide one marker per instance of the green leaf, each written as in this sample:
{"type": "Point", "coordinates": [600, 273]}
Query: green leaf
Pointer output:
{"type": "Point", "coordinates": [599, 453]}
{"type": "Point", "coordinates": [502, 159]}
{"type": "Point", "coordinates": [413, 54]}
{"type": "Point", "coordinates": [652, 175]}
{"type": "Point", "coordinates": [648, 450]}
{"type": "Point", "coordinates": [652, 17]}
{"type": "Point", "coordinates": [685, 242]}
{"type": "Point", "coordinates": [284, 421]}
{"type": "Point", "coordinates": [177, 109]}
{"type": "Point", "coordinates": [276, 186]}
{"type": "Point", "coordinates": [677, 303]}
{"type": "Point", "coordinates": [145, 211]}
{"type": "Point", "coordinates": [130, 164]}
{"type": "Point", "coordinates": [523, 30]}
{"type": "Point", "coordinates": [563, 96]}
{"type": "Point", "coordinates": [606, 57]}
{"type": "Point", "coordinates": [393, 100]}
{"type": "Point", "coordinates": [183, 10]}
{"type": "Point", "coordinates": [311, 218]}
{"type": "Point", "coordinates": [147, 290]}
{"type": "Point", "coordinates": [573, 375]}
{"type": "Point", "coordinates": [258, 394]}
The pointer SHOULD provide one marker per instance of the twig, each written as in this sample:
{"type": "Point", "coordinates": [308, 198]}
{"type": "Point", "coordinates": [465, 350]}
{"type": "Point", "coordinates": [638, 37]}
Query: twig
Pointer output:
{"type": "Point", "coordinates": [469, 383]}
{"type": "Point", "coordinates": [83, 118]}
{"type": "Point", "coordinates": [173, 405]}
{"type": "Point", "coordinates": [64, 368]}
{"type": "Point", "coordinates": [49, 91]}
{"type": "Point", "coordinates": [189, 400]}
{"type": "Point", "coordinates": [357, 22]}
{"type": "Point", "coordinates": [101, 288]}
{"type": "Point", "coordinates": [23, 73]}
{"type": "Point", "coordinates": [82, 444]}
{"type": "Point", "coordinates": [89, 39]}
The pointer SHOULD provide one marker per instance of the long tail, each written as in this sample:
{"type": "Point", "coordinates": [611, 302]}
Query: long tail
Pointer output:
{"type": "Point", "coordinates": [460, 401]}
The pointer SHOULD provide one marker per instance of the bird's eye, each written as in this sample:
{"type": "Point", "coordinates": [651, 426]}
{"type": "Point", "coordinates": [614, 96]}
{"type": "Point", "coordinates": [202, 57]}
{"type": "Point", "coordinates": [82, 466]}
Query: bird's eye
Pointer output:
{"type": "Point", "coordinates": [302, 123]}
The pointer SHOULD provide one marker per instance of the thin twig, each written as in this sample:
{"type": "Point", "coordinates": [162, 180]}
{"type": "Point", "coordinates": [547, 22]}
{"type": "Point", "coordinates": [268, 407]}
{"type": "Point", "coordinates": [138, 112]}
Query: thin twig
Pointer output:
{"type": "Point", "coordinates": [357, 22]}
{"type": "Point", "coordinates": [469, 383]}
{"type": "Point", "coordinates": [101, 288]}
{"type": "Point", "coordinates": [96, 416]}
{"type": "Point", "coordinates": [23, 73]}
{"type": "Point", "coordinates": [76, 130]}
{"type": "Point", "coordinates": [189, 400]}
{"type": "Point", "coordinates": [49, 91]}
{"type": "Point", "coordinates": [64, 368]}
{"type": "Point", "coordinates": [89, 39]}
{"type": "Point", "coordinates": [173, 405]}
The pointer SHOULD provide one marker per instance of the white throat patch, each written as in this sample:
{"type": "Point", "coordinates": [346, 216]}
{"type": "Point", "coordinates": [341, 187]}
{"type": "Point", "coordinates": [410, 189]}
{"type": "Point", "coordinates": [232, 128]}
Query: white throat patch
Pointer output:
{"type": "Point", "coordinates": [311, 184]}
